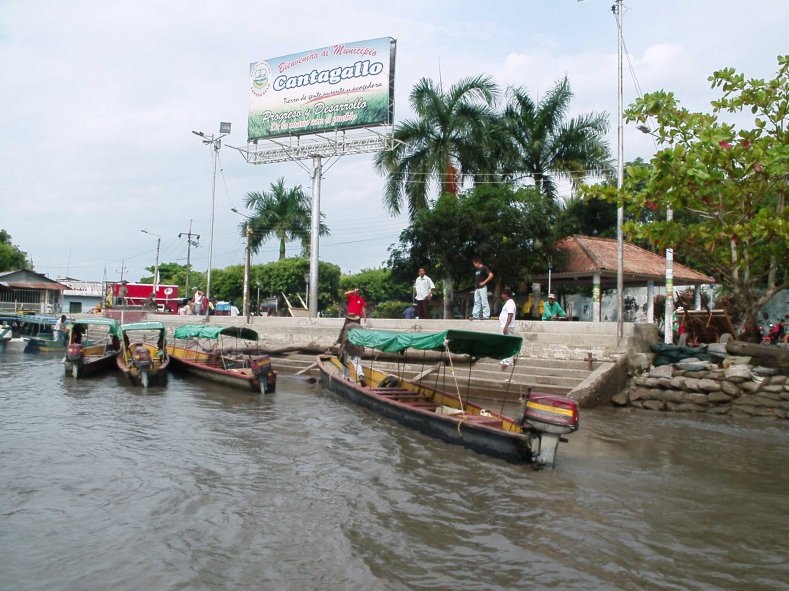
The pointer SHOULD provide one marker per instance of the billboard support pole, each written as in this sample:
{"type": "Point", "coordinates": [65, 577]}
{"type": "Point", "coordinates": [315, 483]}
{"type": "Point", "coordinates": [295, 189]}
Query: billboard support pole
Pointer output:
{"type": "Point", "coordinates": [315, 234]}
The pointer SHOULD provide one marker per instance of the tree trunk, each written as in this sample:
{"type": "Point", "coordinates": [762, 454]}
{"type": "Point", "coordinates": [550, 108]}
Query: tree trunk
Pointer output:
{"type": "Point", "coordinates": [281, 248]}
{"type": "Point", "coordinates": [448, 295]}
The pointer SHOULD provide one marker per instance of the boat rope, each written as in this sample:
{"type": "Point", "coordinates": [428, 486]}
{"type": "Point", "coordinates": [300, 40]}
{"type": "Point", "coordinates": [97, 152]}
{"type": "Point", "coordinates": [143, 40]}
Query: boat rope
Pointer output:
{"type": "Point", "coordinates": [457, 386]}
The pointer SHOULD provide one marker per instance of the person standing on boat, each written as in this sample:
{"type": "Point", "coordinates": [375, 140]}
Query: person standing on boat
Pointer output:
{"type": "Point", "coordinates": [60, 329]}
{"type": "Point", "coordinates": [423, 291]}
{"type": "Point", "coordinates": [482, 276]}
{"type": "Point", "coordinates": [355, 310]}
{"type": "Point", "coordinates": [507, 320]}
{"type": "Point", "coordinates": [552, 310]}
{"type": "Point", "coordinates": [351, 354]}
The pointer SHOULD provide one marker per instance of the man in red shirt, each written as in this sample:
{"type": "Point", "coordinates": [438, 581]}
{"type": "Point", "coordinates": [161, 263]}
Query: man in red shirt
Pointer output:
{"type": "Point", "coordinates": [356, 306]}
{"type": "Point", "coordinates": [355, 310]}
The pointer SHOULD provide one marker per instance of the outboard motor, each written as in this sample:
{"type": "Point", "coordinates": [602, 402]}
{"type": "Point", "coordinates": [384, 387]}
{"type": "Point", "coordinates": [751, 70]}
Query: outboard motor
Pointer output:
{"type": "Point", "coordinates": [74, 353]}
{"type": "Point", "coordinates": [141, 360]}
{"type": "Point", "coordinates": [550, 416]}
{"type": "Point", "coordinates": [261, 367]}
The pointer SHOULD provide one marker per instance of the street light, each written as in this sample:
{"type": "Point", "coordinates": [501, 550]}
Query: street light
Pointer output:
{"type": "Point", "coordinates": [216, 143]}
{"type": "Point", "coordinates": [668, 319]}
{"type": "Point", "coordinates": [156, 268]}
{"type": "Point", "coordinates": [247, 260]}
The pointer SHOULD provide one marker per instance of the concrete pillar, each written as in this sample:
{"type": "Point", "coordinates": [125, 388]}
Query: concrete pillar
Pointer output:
{"type": "Point", "coordinates": [596, 295]}
{"type": "Point", "coordinates": [535, 298]}
{"type": "Point", "coordinates": [697, 297]}
{"type": "Point", "coordinates": [650, 302]}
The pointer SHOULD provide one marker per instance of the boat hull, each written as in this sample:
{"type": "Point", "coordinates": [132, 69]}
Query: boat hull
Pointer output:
{"type": "Point", "coordinates": [470, 432]}
{"type": "Point", "coordinates": [39, 345]}
{"type": "Point", "coordinates": [241, 379]}
{"type": "Point", "coordinates": [90, 365]}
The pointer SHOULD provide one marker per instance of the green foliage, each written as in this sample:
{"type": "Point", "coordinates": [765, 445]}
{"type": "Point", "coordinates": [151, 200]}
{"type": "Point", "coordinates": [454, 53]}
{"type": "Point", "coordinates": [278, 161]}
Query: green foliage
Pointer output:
{"type": "Point", "coordinates": [377, 285]}
{"type": "Point", "coordinates": [512, 231]}
{"type": "Point", "coordinates": [11, 258]}
{"type": "Point", "coordinates": [287, 276]}
{"type": "Point", "coordinates": [539, 141]}
{"type": "Point", "coordinates": [281, 212]}
{"type": "Point", "coordinates": [731, 182]}
{"type": "Point", "coordinates": [390, 309]}
{"type": "Point", "coordinates": [440, 145]}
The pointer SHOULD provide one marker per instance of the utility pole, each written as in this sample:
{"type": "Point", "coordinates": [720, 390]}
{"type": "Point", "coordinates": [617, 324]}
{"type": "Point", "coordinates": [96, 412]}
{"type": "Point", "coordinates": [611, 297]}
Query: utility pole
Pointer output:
{"type": "Point", "coordinates": [246, 271]}
{"type": "Point", "coordinates": [189, 245]}
{"type": "Point", "coordinates": [620, 295]}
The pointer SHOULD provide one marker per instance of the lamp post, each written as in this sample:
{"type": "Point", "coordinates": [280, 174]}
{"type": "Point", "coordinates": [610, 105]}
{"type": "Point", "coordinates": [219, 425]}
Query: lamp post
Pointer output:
{"type": "Point", "coordinates": [156, 268]}
{"type": "Point", "coordinates": [216, 143]}
{"type": "Point", "coordinates": [620, 298]}
{"type": "Point", "coordinates": [247, 260]}
{"type": "Point", "coordinates": [668, 319]}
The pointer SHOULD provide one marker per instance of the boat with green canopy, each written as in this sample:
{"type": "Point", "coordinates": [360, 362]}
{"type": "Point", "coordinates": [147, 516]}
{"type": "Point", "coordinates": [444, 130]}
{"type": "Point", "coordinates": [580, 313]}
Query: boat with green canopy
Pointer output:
{"type": "Point", "coordinates": [532, 437]}
{"type": "Point", "coordinates": [93, 345]}
{"type": "Point", "coordinates": [143, 356]}
{"type": "Point", "coordinates": [228, 355]}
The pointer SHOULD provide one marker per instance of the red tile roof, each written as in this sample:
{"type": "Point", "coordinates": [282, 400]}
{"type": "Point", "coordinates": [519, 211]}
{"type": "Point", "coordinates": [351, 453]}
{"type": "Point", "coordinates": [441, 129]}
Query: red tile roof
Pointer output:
{"type": "Point", "coordinates": [587, 255]}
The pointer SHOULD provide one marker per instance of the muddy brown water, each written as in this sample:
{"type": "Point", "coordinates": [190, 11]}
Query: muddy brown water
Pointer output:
{"type": "Point", "coordinates": [103, 486]}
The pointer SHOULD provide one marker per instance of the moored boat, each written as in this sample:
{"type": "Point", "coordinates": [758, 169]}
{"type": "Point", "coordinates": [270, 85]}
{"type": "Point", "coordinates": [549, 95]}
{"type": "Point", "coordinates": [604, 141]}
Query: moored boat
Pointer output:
{"type": "Point", "coordinates": [40, 334]}
{"type": "Point", "coordinates": [532, 437]}
{"type": "Point", "coordinates": [143, 356]}
{"type": "Point", "coordinates": [93, 345]}
{"type": "Point", "coordinates": [228, 355]}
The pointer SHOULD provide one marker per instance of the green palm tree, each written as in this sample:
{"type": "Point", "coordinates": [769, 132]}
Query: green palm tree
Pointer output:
{"type": "Point", "coordinates": [442, 144]}
{"type": "Point", "coordinates": [281, 212]}
{"type": "Point", "coordinates": [541, 143]}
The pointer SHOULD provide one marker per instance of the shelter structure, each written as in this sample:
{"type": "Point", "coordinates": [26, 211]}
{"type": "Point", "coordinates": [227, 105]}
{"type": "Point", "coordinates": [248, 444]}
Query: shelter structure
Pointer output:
{"type": "Point", "coordinates": [586, 259]}
{"type": "Point", "coordinates": [28, 291]}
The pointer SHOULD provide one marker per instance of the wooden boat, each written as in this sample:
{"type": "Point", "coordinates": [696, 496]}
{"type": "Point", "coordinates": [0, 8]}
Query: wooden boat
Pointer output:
{"type": "Point", "coordinates": [93, 346]}
{"type": "Point", "coordinates": [143, 355]}
{"type": "Point", "coordinates": [531, 437]}
{"type": "Point", "coordinates": [38, 332]}
{"type": "Point", "coordinates": [228, 355]}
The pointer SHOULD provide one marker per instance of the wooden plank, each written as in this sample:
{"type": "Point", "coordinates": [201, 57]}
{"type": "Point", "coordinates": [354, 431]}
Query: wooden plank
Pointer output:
{"type": "Point", "coordinates": [306, 369]}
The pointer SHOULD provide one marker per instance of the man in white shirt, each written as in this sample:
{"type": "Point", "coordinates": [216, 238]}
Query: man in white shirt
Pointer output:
{"type": "Point", "coordinates": [423, 291]}
{"type": "Point", "coordinates": [507, 320]}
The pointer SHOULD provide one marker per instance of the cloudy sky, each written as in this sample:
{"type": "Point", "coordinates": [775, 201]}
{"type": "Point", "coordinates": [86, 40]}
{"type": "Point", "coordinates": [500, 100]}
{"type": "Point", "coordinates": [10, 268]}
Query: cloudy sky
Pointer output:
{"type": "Point", "coordinates": [99, 100]}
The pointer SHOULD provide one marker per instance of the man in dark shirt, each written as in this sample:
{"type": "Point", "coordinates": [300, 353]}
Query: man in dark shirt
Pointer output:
{"type": "Point", "coordinates": [482, 276]}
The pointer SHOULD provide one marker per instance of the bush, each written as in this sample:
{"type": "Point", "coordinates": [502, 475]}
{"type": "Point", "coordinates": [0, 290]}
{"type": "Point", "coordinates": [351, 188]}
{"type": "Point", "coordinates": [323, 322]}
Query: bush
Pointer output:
{"type": "Point", "coordinates": [390, 309]}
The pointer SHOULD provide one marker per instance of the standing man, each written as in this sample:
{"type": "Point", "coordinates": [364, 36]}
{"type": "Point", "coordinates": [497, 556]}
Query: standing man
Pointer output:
{"type": "Point", "coordinates": [482, 276]}
{"type": "Point", "coordinates": [507, 320]}
{"type": "Point", "coordinates": [552, 310]}
{"type": "Point", "coordinates": [355, 310]}
{"type": "Point", "coordinates": [423, 291]}
{"type": "Point", "coordinates": [198, 302]}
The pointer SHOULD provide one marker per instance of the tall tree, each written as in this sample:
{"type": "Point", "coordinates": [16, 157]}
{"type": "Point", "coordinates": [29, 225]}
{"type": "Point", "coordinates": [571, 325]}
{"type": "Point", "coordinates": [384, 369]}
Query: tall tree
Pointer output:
{"type": "Point", "coordinates": [733, 181]}
{"type": "Point", "coordinates": [540, 142]}
{"type": "Point", "coordinates": [442, 144]}
{"type": "Point", "coordinates": [280, 212]}
{"type": "Point", "coordinates": [11, 258]}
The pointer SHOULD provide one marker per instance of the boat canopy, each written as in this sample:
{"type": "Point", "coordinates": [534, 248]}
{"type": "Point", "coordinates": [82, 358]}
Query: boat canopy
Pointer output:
{"type": "Point", "coordinates": [204, 331]}
{"type": "Point", "coordinates": [112, 324]}
{"type": "Point", "coordinates": [36, 319]}
{"type": "Point", "coordinates": [142, 326]}
{"type": "Point", "coordinates": [476, 344]}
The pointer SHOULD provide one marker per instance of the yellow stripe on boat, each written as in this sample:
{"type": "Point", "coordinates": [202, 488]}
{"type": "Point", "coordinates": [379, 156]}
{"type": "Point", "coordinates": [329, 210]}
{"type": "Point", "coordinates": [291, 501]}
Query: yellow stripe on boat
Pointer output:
{"type": "Point", "coordinates": [544, 407]}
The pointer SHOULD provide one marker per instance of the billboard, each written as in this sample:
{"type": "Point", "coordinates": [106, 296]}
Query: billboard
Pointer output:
{"type": "Point", "coordinates": [336, 87]}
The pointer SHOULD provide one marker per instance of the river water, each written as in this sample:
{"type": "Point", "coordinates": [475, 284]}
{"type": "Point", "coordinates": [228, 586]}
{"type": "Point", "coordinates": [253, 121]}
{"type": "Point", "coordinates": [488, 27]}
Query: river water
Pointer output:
{"type": "Point", "coordinates": [194, 487]}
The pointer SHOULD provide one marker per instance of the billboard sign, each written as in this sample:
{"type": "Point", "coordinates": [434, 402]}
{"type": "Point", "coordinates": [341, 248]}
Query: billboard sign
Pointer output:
{"type": "Point", "coordinates": [336, 87]}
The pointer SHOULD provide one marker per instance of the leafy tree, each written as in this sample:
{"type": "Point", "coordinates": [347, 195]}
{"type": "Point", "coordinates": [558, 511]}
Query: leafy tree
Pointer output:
{"type": "Point", "coordinates": [734, 182]}
{"type": "Point", "coordinates": [281, 212]}
{"type": "Point", "coordinates": [377, 285]}
{"type": "Point", "coordinates": [541, 143]}
{"type": "Point", "coordinates": [287, 276]}
{"type": "Point", "coordinates": [512, 231]}
{"type": "Point", "coordinates": [442, 144]}
{"type": "Point", "coordinates": [11, 258]}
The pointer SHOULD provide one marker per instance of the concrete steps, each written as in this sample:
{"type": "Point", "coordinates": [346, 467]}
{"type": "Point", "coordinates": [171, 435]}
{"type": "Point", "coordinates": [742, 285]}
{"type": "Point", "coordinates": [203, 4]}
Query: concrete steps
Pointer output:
{"type": "Point", "coordinates": [487, 378]}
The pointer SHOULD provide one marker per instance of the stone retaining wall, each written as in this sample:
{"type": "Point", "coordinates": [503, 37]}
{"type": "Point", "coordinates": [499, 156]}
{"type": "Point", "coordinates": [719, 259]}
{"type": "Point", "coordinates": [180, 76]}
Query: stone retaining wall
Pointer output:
{"type": "Point", "coordinates": [739, 390]}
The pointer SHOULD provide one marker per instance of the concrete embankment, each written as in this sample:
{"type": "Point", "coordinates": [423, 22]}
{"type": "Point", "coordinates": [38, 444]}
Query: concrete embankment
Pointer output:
{"type": "Point", "coordinates": [583, 360]}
